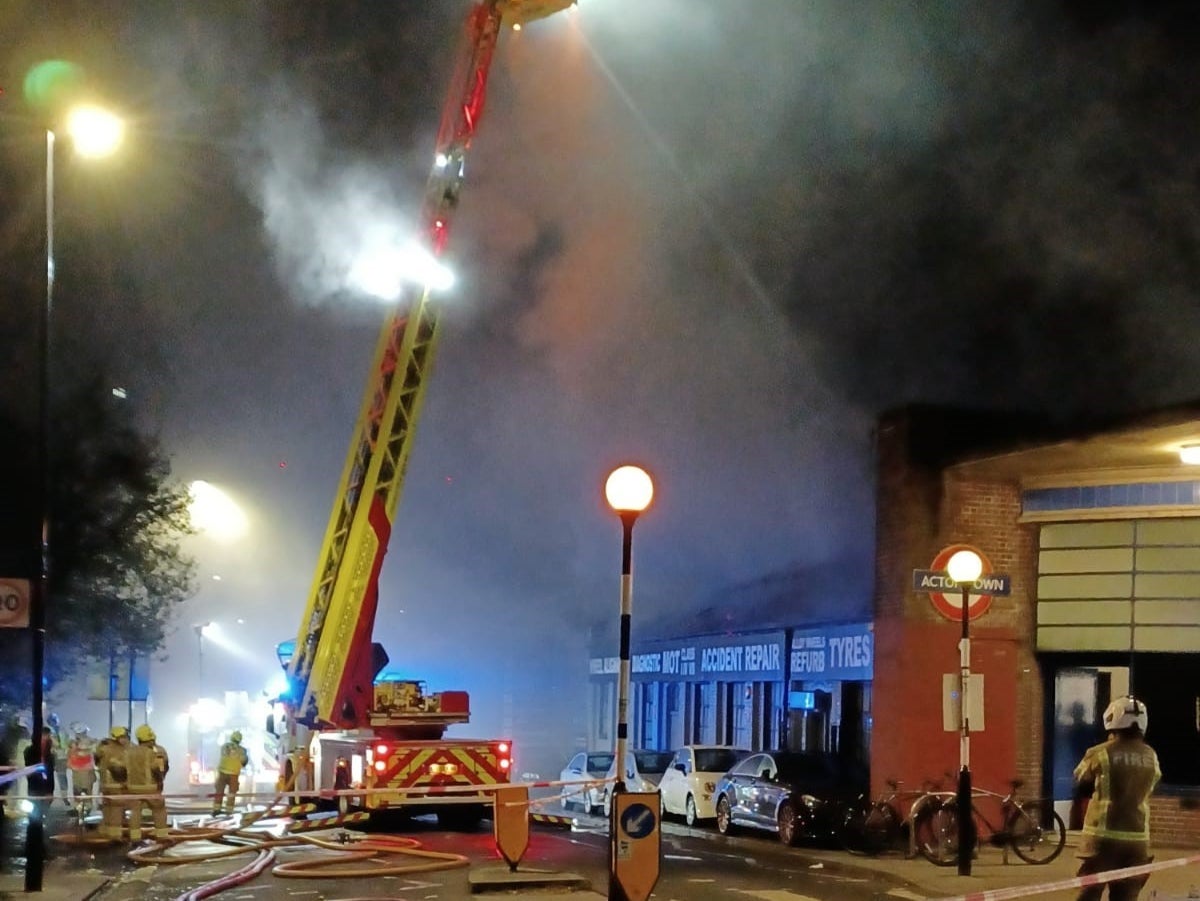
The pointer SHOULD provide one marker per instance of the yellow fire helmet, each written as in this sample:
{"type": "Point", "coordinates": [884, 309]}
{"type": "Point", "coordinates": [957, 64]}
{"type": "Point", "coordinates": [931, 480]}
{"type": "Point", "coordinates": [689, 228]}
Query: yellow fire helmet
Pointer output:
{"type": "Point", "coordinates": [144, 733]}
{"type": "Point", "coordinates": [119, 732]}
{"type": "Point", "coordinates": [236, 736]}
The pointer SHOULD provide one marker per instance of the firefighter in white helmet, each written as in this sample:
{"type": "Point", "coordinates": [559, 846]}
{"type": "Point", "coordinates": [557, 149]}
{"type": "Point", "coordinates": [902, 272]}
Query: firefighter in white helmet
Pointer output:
{"type": "Point", "coordinates": [111, 767]}
{"type": "Point", "coordinates": [82, 764]}
{"type": "Point", "coordinates": [1119, 775]}
{"type": "Point", "coordinates": [229, 771]}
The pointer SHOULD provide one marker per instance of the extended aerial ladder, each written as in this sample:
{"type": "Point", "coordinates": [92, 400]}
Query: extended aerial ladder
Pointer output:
{"type": "Point", "coordinates": [333, 664]}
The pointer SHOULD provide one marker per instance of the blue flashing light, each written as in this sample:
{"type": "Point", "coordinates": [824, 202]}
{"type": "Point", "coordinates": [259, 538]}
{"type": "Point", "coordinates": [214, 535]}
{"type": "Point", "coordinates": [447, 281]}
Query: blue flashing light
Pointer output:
{"type": "Point", "coordinates": [394, 677]}
{"type": "Point", "coordinates": [285, 651]}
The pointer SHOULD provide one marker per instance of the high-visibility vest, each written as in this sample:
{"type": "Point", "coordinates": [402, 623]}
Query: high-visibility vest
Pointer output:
{"type": "Point", "coordinates": [80, 754]}
{"type": "Point", "coordinates": [1123, 771]}
{"type": "Point", "coordinates": [233, 758]}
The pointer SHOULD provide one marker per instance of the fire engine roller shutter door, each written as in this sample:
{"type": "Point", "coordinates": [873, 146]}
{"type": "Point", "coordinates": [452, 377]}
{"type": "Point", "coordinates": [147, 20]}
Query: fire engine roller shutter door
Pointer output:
{"type": "Point", "coordinates": [1122, 585]}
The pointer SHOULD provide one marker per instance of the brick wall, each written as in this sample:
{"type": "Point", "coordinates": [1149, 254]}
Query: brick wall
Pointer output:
{"type": "Point", "coordinates": [987, 514]}
{"type": "Point", "coordinates": [922, 506]}
{"type": "Point", "coordinates": [1175, 821]}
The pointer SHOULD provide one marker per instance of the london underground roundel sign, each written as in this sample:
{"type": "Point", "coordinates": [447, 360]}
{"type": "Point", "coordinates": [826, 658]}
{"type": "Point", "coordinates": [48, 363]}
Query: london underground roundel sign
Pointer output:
{"type": "Point", "coordinates": [949, 602]}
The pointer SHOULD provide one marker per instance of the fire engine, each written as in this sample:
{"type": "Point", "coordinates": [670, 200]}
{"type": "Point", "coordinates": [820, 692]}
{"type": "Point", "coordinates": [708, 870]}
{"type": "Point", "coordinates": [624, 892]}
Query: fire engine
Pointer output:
{"type": "Point", "coordinates": [340, 725]}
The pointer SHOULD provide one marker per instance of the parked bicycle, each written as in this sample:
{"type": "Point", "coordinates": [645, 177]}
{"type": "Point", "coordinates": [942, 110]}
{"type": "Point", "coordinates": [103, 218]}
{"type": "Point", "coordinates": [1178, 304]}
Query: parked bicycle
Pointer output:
{"type": "Point", "coordinates": [873, 827]}
{"type": "Point", "coordinates": [1030, 828]}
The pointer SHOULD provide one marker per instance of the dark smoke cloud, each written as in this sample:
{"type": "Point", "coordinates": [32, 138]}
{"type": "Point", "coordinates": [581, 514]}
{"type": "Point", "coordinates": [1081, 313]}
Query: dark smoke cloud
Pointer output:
{"type": "Point", "coordinates": [993, 205]}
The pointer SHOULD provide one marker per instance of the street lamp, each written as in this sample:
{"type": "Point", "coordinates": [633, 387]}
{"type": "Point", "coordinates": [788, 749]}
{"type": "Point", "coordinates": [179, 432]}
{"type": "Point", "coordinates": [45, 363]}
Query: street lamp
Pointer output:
{"type": "Point", "coordinates": [965, 567]}
{"type": "Point", "coordinates": [94, 133]}
{"type": "Point", "coordinates": [629, 491]}
{"type": "Point", "coordinates": [201, 629]}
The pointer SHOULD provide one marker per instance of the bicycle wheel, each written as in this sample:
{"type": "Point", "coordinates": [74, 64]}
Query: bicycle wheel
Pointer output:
{"type": "Point", "coordinates": [853, 829]}
{"type": "Point", "coordinates": [936, 830]}
{"type": "Point", "coordinates": [881, 829]}
{"type": "Point", "coordinates": [1036, 832]}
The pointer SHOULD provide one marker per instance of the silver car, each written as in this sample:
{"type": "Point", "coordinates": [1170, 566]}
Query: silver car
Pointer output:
{"type": "Point", "coordinates": [643, 770]}
{"type": "Point", "coordinates": [585, 767]}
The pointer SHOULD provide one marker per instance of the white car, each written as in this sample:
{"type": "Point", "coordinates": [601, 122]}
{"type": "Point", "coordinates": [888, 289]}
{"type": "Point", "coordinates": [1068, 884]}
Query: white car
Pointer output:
{"type": "Point", "coordinates": [643, 769]}
{"type": "Point", "coordinates": [582, 767]}
{"type": "Point", "coordinates": [689, 784]}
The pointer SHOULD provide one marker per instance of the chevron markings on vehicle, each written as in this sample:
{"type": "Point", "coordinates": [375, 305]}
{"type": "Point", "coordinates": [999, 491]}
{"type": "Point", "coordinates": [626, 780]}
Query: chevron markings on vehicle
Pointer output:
{"type": "Point", "coordinates": [409, 767]}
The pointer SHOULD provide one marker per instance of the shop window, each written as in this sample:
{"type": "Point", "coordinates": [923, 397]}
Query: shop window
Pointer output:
{"type": "Point", "coordinates": [602, 703]}
{"type": "Point", "coordinates": [1170, 686]}
{"type": "Point", "coordinates": [708, 713]}
{"type": "Point", "coordinates": [742, 709]}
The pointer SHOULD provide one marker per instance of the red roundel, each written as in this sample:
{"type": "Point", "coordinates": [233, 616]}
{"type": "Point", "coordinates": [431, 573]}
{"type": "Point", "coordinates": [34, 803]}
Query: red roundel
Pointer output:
{"type": "Point", "coordinates": [949, 603]}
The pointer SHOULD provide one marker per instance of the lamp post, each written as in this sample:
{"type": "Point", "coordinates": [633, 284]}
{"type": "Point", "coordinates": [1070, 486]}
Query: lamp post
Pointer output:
{"type": "Point", "coordinates": [964, 567]}
{"type": "Point", "coordinates": [629, 491]}
{"type": "Point", "coordinates": [200, 629]}
{"type": "Point", "coordinates": [93, 133]}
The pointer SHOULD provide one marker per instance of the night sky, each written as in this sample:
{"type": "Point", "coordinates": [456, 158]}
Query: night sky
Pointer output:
{"type": "Point", "coordinates": [713, 238]}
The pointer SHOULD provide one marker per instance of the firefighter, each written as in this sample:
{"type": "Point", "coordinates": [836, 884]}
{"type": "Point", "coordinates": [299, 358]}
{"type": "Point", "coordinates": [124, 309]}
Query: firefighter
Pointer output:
{"type": "Point", "coordinates": [229, 771]}
{"type": "Point", "coordinates": [61, 743]}
{"type": "Point", "coordinates": [1119, 775]}
{"type": "Point", "coordinates": [82, 764]}
{"type": "Point", "coordinates": [41, 784]}
{"type": "Point", "coordinates": [147, 767]}
{"type": "Point", "coordinates": [111, 764]}
{"type": "Point", "coordinates": [21, 789]}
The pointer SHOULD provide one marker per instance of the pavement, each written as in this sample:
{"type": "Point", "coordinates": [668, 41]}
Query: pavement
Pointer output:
{"type": "Point", "coordinates": [989, 871]}
{"type": "Point", "coordinates": [70, 876]}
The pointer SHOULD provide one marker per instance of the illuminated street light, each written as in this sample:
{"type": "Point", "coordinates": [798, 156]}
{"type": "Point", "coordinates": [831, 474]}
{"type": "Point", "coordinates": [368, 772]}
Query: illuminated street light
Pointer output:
{"type": "Point", "coordinates": [94, 133]}
{"type": "Point", "coordinates": [629, 491]}
{"type": "Point", "coordinates": [965, 567]}
{"type": "Point", "coordinates": [215, 513]}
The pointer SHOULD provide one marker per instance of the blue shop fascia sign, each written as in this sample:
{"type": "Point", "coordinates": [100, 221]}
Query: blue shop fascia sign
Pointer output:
{"type": "Point", "coordinates": [831, 652]}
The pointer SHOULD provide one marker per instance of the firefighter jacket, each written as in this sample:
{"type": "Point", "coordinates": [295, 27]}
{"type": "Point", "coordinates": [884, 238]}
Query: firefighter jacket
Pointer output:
{"type": "Point", "coordinates": [233, 758]}
{"type": "Point", "coordinates": [140, 765]}
{"type": "Point", "coordinates": [162, 764]}
{"type": "Point", "coordinates": [111, 762]}
{"type": "Point", "coordinates": [81, 754]}
{"type": "Point", "coordinates": [1122, 772]}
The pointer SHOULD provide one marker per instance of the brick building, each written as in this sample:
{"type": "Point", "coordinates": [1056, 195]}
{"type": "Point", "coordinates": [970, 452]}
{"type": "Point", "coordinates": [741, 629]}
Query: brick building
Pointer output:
{"type": "Point", "coordinates": [1100, 534]}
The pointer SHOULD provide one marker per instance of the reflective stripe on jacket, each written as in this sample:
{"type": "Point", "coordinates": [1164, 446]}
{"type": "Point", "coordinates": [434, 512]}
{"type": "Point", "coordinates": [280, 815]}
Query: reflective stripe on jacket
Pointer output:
{"type": "Point", "coordinates": [233, 758]}
{"type": "Point", "coordinates": [1123, 771]}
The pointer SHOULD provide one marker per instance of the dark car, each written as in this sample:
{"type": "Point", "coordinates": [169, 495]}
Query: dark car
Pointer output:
{"type": "Point", "coordinates": [793, 793]}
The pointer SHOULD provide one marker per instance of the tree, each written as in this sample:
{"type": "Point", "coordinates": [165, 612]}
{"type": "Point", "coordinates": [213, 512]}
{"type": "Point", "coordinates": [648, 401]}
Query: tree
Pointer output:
{"type": "Point", "coordinates": [117, 568]}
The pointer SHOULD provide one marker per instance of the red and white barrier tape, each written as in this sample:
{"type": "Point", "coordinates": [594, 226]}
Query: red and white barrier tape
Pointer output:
{"type": "Point", "coordinates": [1021, 891]}
{"type": "Point", "coordinates": [322, 793]}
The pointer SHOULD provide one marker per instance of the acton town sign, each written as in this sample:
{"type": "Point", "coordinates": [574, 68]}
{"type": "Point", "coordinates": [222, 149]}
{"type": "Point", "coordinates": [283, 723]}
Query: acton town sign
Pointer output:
{"type": "Point", "coordinates": [946, 595]}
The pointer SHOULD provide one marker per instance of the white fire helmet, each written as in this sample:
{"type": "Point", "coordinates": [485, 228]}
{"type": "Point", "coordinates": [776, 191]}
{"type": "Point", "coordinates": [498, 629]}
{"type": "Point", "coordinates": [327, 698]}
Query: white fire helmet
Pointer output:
{"type": "Point", "coordinates": [1126, 713]}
